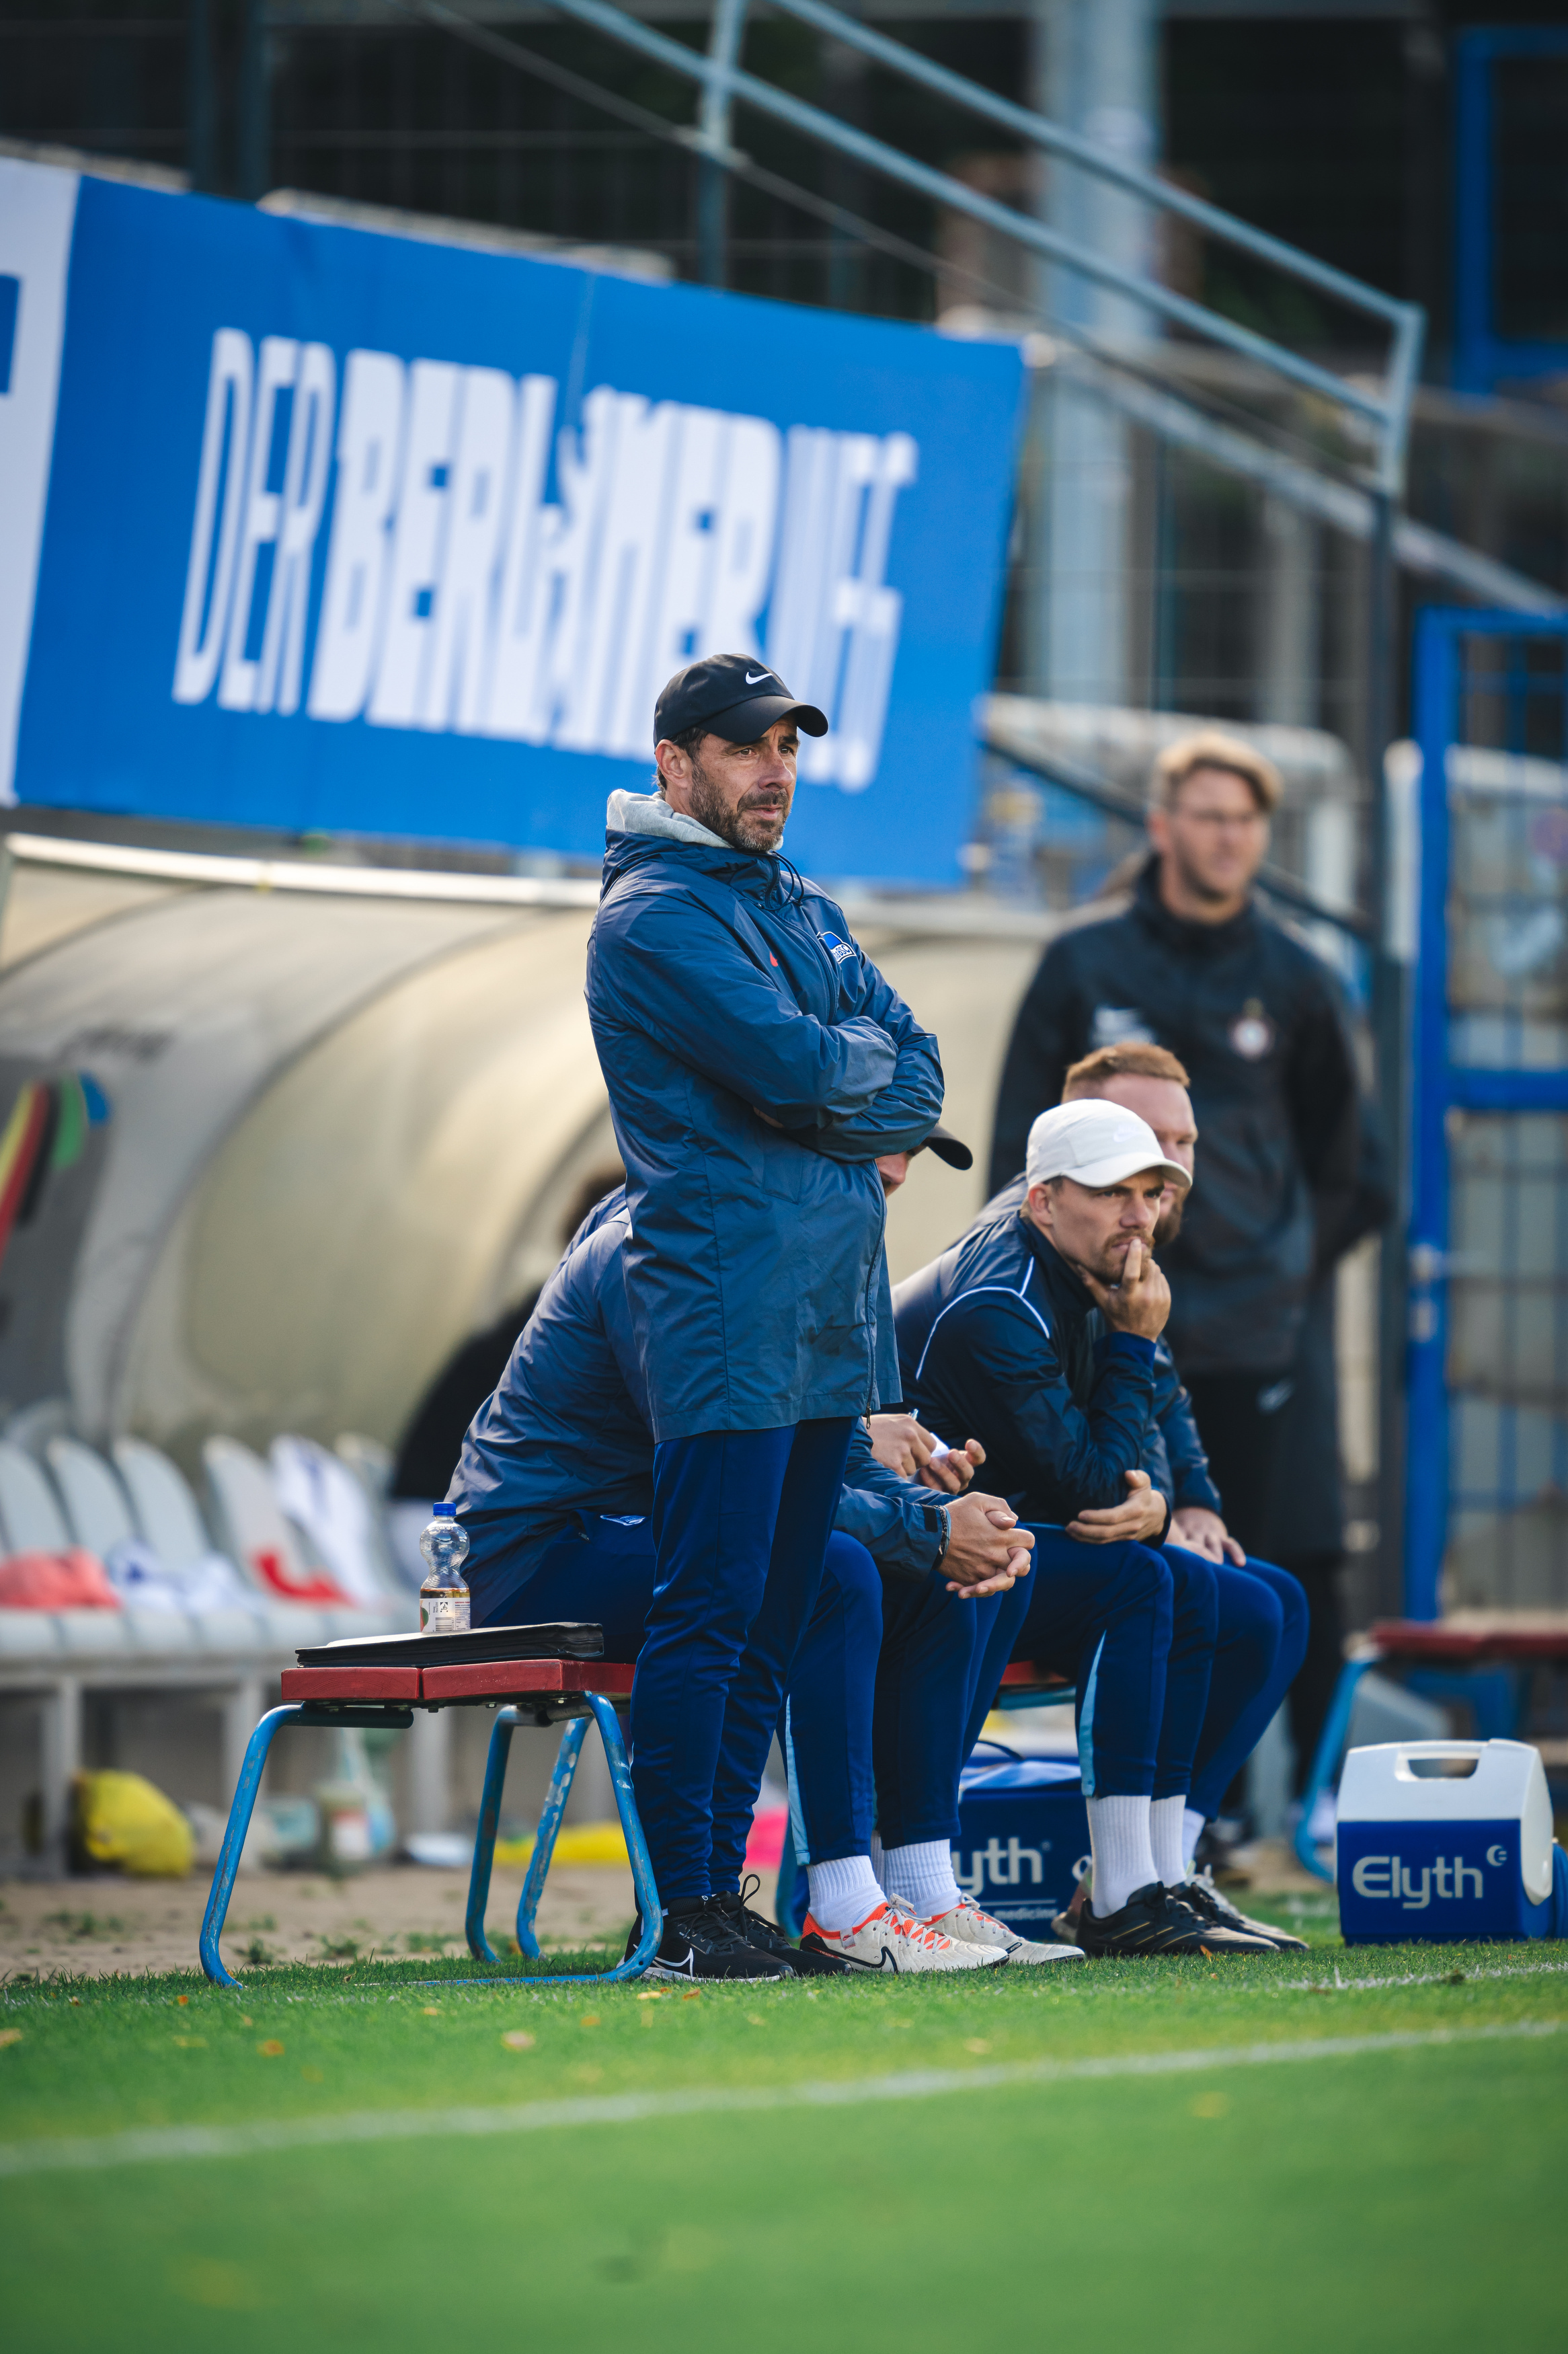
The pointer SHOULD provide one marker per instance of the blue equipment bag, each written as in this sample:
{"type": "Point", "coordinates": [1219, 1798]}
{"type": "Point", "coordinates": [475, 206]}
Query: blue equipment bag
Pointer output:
{"type": "Point", "coordinates": [1023, 1836]}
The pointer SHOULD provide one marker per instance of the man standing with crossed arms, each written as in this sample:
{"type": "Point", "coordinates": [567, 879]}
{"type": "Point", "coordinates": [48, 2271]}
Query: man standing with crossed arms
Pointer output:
{"type": "Point", "coordinates": [756, 1066]}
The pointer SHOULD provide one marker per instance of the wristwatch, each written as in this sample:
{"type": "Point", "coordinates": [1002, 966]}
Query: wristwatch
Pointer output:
{"type": "Point", "coordinates": [937, 1525]}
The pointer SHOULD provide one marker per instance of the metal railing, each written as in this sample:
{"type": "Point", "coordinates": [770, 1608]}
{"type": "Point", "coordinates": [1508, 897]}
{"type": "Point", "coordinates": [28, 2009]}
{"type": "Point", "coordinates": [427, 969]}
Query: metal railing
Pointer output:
{"type": "Point", "coordinates": [723, 82]}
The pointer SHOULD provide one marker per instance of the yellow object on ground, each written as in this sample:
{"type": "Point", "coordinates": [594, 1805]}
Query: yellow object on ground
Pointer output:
{"type": "Point", "coordinates": [576, 1843]}
{"type": "Point", "coordinates": [123, 1820]}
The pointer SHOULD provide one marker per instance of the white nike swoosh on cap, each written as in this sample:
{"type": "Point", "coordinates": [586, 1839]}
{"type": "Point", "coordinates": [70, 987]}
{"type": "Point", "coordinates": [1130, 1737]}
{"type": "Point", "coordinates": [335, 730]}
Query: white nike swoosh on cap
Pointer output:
{"type": "Point", "coordinates": [758, 679]}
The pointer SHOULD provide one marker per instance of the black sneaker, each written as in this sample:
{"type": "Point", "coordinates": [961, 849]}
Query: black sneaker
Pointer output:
{"type": "Point", "coordinates": [701, 1941]}
{"type": "Point", "coordinates": [1155, 1921]}
{"type": "Point", "coordinates": [1200, 1895]}
{"type": "Point", "coordinates": [805, 1960]}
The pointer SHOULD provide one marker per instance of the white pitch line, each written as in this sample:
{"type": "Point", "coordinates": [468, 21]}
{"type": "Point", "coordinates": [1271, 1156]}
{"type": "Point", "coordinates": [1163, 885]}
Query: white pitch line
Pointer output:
{"type": "Point", "coordinates": [165, 2142]}
{"type": "Point", "coordinates": [1337, 1985]}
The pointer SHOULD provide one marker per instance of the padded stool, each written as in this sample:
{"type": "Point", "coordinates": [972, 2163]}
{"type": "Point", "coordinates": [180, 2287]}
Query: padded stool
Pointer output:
{"type": "Point", "coordinates": [524, 1691]}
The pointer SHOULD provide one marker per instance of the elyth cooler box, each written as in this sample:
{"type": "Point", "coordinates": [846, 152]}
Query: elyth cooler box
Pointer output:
{"type": "Point", "coordinates": [1443, 1840]}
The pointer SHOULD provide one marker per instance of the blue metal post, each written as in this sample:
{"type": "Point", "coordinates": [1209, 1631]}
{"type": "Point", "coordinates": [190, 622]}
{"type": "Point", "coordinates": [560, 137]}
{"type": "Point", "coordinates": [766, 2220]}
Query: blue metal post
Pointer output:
{"type": "Point", "coordinates": [484, 1837]}
{"type": "Point", "coordinates": [1427, 1426]}
{"type": "Point", "coordinates": [239, 1813]}
{"type": "Point", "coordinates": [550, 1814]}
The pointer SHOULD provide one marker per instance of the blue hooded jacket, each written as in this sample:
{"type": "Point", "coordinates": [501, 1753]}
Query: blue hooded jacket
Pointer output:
{"type": "Point", "coordinates": [566, 1435]}
{"type": "Point", "coordinates": [721, 988]}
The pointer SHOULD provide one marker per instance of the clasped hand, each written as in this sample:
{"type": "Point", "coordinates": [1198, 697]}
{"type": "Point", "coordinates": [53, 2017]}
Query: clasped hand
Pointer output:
{"type": "Point", "coordinates": [1140, 1519]}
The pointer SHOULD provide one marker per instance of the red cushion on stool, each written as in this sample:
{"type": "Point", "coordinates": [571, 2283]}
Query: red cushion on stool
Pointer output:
{"type": "Point", "coordinates": [502, 1678]}
{"type": "Point", "coordinates": [351, 1683]}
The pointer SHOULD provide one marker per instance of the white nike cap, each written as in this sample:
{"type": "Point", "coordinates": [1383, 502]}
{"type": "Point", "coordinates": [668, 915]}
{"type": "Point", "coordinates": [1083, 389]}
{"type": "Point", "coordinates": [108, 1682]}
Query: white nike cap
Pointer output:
{"type": "Point", "coordinates": [1096, 1143]}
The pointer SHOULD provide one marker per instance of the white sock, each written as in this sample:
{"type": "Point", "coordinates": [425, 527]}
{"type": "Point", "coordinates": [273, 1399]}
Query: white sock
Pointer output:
{"type": "Point", "coordinates": [1124, 1860]}
{"type": "Point", "coordinates": [1165, 1838]}
{"type": "Point", "coordinates": [843, 1892]}
{"type": "Point", "coordinates": [1192, 1832]}
{"type": "Point", "coordinates": [922, 1876]}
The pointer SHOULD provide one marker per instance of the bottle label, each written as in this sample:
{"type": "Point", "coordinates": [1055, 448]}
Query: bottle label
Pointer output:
{"type": "Point", "coordinates": [443, 1614]}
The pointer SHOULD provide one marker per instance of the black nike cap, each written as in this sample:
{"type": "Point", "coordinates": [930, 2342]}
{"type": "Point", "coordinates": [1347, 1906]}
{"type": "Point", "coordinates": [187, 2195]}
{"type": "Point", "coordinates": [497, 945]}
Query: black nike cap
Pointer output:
{"type": "Point", "coordinates": [733, 697]}
{"type": "Point", "coordinates": [949, 1148]}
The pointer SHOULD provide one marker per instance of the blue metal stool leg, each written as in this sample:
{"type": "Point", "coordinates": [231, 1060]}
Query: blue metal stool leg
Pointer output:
{"type": "Point", "coordinates": [648, 1905]}
{"type": "Point", "coordinates": [550, 1814]}
{"type": "Point", "coordinates": [239, 1813]}
{"type": "Point", "coordinates": [649, 1908]}
{"type": "Point", "coordinates": [484, 1837]}
{"type": "Point", "coordinates": [1326, 1764]}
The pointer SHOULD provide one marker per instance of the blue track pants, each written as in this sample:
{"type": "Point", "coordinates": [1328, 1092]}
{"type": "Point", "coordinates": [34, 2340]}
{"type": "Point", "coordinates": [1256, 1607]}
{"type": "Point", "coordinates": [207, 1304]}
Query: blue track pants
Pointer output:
{"type": "Point", "coordinates": [1238, 1637]}
{"type": "Point", "coordinates": [711, 1598]}
{"type": "Point", "coordinates": [1260, 1645]}
{"type": "Point", "coordinates": [932, 1647]}
{"type": "Point", "coordinates": [1135, 1632]}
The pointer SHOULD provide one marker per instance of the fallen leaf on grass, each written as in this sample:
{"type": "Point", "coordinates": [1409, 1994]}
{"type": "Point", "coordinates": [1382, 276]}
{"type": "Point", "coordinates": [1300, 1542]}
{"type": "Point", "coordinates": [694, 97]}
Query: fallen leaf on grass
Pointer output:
{"type": "Point", "coordinates": [517, 2039]}
{"type": "Point", "coordinates": [652, 1994]}
{"type": "Point", "coordinates": [695, 1995]}
{"type": "Point", "coordinates": [592, 2019]}
{"type": "Point", "coordinates": [976, 2043]}
{"type": "Point", "coordinates": [429, 2010]}
{"type": "Point", "coordinates": [271, 2049]}
{"type": "Point", "coordinates": [10, 2035]}
{"type": "Point", "coordinates": [190, 2042]}
{"type": "Point", "coordinates": [205, 2280]}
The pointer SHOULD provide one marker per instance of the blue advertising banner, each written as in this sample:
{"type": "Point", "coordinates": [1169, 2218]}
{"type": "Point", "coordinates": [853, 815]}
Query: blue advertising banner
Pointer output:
{"type": "Point", "coordinates": [352, 532]}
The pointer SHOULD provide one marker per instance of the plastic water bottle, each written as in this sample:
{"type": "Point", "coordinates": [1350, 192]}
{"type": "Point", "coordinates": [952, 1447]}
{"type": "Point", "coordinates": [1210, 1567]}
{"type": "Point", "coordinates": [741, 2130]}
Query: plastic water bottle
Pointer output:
{"type": "Point", "coordinates": [443, 1597]}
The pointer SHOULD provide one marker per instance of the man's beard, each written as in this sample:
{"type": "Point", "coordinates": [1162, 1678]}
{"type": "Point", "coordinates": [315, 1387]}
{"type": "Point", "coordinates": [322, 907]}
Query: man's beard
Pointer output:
{"type": "Point", "coordinates": [1199, 887]}
{"type": "Point", "coordinates": [739, 828]}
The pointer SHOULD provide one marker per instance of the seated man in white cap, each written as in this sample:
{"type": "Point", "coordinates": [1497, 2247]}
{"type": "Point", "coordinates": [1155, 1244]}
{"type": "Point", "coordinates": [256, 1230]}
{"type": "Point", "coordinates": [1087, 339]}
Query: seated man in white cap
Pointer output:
{"type": "Point", "coordinates": [1036, 1333]}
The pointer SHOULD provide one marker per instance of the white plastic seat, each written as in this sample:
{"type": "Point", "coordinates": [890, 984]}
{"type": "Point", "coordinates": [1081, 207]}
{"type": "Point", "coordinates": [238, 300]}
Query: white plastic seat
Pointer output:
{"type": "Point", "coordinates": [29, 1635]}
{"type": "Point", "coordinates": [161, 1500]}
{"type": "Point", "coordinates": [253, 1529]}
{"type": "Point", "coordinates": [322, 1496]}
{"type": "Point", "coordinates": [93, 1634]}
{"type": "Point", "coordinates": [96, 1505]}
{"type": "Point", "coordinates": [230, 1633]}
{"type": "Point", "coordinates": [371, 1463]}
{"type": "Point", "coordinates": [30, 1517]}
{"type": "Point", "coordinates": [158, 1634]}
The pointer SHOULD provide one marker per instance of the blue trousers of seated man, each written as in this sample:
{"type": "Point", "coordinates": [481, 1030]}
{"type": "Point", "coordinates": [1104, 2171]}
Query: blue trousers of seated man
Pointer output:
{"type": "Point", "coordinates": [607, 1574]}
{"type": "Point", "coordinates": [1239, 1637]}
{"type": "Point", "coordinates": [1137, 1641]}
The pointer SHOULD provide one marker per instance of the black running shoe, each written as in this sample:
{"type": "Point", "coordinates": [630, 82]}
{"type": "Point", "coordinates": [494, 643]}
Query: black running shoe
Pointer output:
{"type": "Point", "coordinates": [805, 1960]}
{"type": "Point", "coordinates": [1154, 1921]}
{"type": "Point", "coordinates": [701, 1941]}
{"type": "Point", "coordinates": [1200, 1895]}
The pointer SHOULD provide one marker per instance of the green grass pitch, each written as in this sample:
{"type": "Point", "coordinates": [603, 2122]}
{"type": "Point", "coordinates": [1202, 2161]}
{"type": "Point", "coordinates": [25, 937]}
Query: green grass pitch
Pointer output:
{"type": "Point", "coordinates": [1337, 2150]}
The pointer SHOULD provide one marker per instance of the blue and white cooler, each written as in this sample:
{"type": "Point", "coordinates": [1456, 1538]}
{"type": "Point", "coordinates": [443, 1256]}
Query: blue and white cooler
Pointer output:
{"type": "Point", "coordinates": [1023, 1836]}
{"type": "Point", "coordinates": [1440, 1841]}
